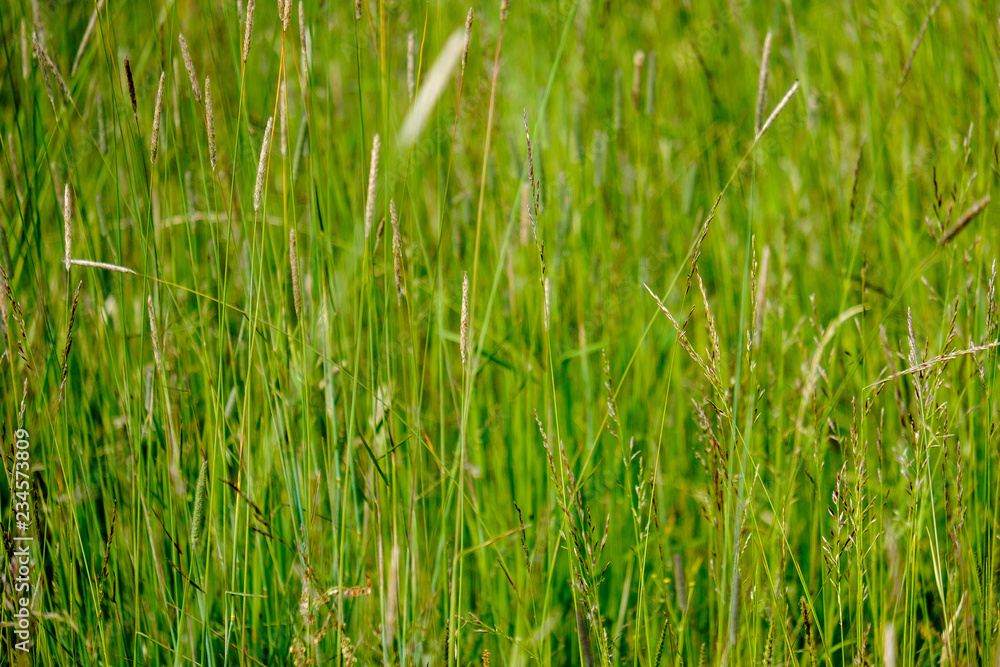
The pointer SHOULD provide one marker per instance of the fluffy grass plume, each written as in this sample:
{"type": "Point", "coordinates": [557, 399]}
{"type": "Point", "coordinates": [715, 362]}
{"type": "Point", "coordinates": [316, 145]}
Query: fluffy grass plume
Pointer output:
{"type": "Point", "coordinates": [464, 322]}
{"type": "Point", "coordinates": [189, 66]}
{"type": "Point", "coordinates": [154, 137]}
{"type": "Point", "coordinates": [293, 258]}
{"type": "Point", "coordinates": [210, 123]}
{"type": "Point", "coordinates": [248, 30]}
{"type": "Point", "coordinates": [372, 186]}
{"type": "Point", "coordinates": [265, 147]}
{"type": "Point", "coordinates": [131, 89]}
{"type": "Point", "coordinates": [67, 215]}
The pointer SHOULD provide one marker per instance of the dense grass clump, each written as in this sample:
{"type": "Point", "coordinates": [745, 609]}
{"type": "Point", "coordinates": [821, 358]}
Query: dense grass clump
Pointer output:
{"type": "Point", "coordinates": [543, 333]}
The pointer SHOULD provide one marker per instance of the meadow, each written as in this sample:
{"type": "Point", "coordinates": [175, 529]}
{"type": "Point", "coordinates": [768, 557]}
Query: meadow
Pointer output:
{"type": "Point", "coordinates": [554, 333]}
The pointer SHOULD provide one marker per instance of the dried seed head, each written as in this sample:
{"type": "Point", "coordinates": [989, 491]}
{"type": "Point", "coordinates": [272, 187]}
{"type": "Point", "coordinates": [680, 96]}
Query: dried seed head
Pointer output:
{"type": "Point", "coordinates": [372, 186]}
{"type": "Point", "coordinates": [154, 137]}
{"type": "Point", "coordinates": [464, 338]}
{"type": "Point", "coordinates": [37, 48]}
{"type": "Point", "coordinates": [154, 334]}
{"type": "Point", "coordinates": [357, 9]}
{"type": "Point", "coordinates": [293, 256]}
{"type": "Point", "coordinates": [762, 82]}
{"type": "Point", "coordinates": [131, 88]}
{"type": "Point", "coordinates": [468, 39]}
{"type": "Point", "coordinates": [265, 146]}
{"type": "Point", "coordinates": [46, 61]}
{"type": "Point", "coordinates": [67, 226]}
{"type": "Point", "coordinates": [504, 7]}
{"type": "Point", "coordinates": [284, 7]}
{"type": "Point", "coordinates": [186, 55]}
{"type": "Point", "coordinates": [970, 214]}
{"type": "Point", "coordinates": [39, 24]}
{"type": "Point", "coordinates": [778, 109]}
{"type": "Point", "coordinates": [397, 253]}
{"type": "Point", "coordinates": [248, 32]}
{"type": "Point", "coordinates": [525, 213]}
{"type": "Point", "coordinates": [198, 516]}
{"type": "Point", "coordinates": [533, 204]}
{"type": "Point", "coordinates": [637, 61]}
{"type": "Point", "coordinates": [210, 122]}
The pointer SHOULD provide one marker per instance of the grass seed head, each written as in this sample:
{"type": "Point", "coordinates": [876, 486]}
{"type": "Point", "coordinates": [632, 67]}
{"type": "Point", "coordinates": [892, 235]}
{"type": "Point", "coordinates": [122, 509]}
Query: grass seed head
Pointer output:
{"type": "Point", "coordinates": [210, 123]}
{"type": "Point", "coordinates": [67, 226]}
{"type": "Point", "coordinates": [45, 70]}
{"type": "Point", "coordinates": [284, 8]}
{"type": "Point", "coordinates": [102, 265]}
{"type": "Point", "coordinates": [69, 342]}
{"type": "Point", "coordinates": [154, 137]}
{"type": "Point", "coordinates": [258, 189]}
{"type": "Point", "coordinates": [189, 65]}
{"type": "Point", "coordinates": [248, 31]}
{"type": "Point", "coordinates": [777, 110]}
{"type": "Point", "coordinates": [131, 88]}
{"type": "Point", "coordinates": [762, 83]}
{"type": "Point", "coordinates": [468, 38]}
{"type": "Point", "coordinates": [293, 256]}
{"type": "Point", "coordinates": [464, 336]}
{"type": "Point", "coordinates": [372, 186]}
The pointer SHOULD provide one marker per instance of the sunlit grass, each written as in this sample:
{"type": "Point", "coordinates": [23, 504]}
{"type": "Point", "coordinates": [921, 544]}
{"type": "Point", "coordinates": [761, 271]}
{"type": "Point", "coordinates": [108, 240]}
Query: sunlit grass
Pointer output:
{"type": "Point", "coordinates": [723, 389]}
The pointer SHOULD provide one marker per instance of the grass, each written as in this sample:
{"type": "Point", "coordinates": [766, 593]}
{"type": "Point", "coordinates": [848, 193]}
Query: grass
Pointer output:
{"type": "Point", "coordinates": [720, 397]}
